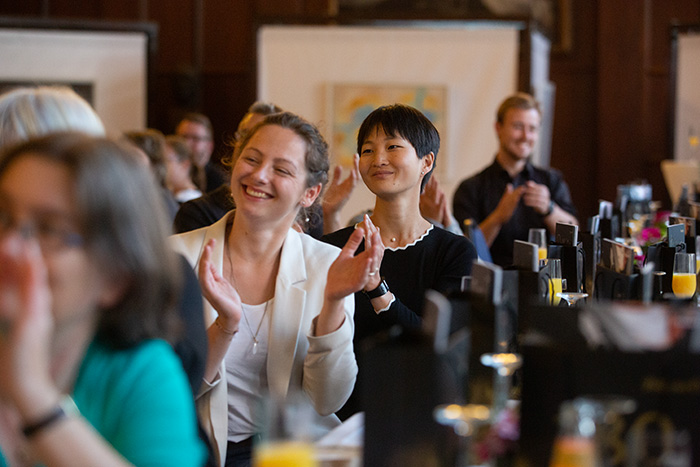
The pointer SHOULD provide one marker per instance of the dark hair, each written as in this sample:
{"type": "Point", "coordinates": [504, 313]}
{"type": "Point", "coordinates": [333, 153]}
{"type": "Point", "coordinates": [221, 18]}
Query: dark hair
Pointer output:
{"type": "Point", "coordinates": [407, 122]}
{"type": "Point", "coordinates": [519, 100]}
{"type": "Point", "coordinates": [201, 119]}
{"type": "Point", "coordinates": [122, 220]}
{"type": "Point", "coordinates": [316, 158]}
{"type": "Point", "coordinates": [183, 153]}
{"type": "Point", "coordinates": [264, 108]}
{"type": "Point", "coordinates": [152, 142]}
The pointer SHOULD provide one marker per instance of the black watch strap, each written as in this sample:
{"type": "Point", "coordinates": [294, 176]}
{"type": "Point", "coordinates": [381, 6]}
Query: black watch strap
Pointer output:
{"type": "Point", "coordinates": [549, 209]}
{"type": "Point", "coordinates": [381, 289]}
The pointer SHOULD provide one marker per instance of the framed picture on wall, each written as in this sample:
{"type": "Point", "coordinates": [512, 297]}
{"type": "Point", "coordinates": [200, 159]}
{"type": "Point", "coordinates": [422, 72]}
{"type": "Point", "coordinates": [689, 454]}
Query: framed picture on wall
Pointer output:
{"type": "Point", "coordinates": [106, 63]}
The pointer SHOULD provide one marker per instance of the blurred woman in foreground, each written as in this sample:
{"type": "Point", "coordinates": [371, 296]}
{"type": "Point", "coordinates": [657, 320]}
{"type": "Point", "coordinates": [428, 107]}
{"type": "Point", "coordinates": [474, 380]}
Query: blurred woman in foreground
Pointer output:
{"type": "Point", "coordinates": [87, 288]}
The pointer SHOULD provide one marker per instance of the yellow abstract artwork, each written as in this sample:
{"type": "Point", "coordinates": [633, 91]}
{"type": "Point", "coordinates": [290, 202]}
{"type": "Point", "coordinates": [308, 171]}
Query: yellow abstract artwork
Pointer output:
{"type": "Point", "coordinates": [351, 103]}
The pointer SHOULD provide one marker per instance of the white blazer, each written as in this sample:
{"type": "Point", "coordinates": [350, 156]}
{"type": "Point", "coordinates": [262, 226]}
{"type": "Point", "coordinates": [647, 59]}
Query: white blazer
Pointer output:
{"type": "Point", "coordinates": [324, 367]}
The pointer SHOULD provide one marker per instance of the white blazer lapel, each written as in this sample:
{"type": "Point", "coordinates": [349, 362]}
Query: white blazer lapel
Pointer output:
{"type": "Point", "coordinates": [287, 319]}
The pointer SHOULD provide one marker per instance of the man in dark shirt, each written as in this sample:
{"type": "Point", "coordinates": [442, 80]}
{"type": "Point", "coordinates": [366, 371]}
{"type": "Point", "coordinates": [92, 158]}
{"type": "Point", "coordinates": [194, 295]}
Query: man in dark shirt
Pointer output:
{"type": "Point", "coordinates": [511, 195]}
{"type": "Point", "coordinates": [196, 129]}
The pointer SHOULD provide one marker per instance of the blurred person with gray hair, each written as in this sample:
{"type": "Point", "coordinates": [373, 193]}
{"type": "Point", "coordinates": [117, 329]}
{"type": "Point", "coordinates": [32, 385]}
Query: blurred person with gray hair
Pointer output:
{"type": "Point", "coordinates": [28, 112]}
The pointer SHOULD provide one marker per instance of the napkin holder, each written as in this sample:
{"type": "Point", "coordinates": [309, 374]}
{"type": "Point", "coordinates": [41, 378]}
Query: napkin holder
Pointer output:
{"type": "Point", "coordinates": [480, 314]}
{"type": "Point", "coordinates": [610, 227]}
{"type": "Point", "coordinates": [572, 264]}
{"type": "Point", "coordinates": [400, 388]}
{"type": "Point", "coordinates": [613, 285]}
{"type": "Point", "coordinates": [591, 252]}
{"type": "Point", "coordinates": [663, 254]}
{"type": "Point", "coordinates": [690, 231]}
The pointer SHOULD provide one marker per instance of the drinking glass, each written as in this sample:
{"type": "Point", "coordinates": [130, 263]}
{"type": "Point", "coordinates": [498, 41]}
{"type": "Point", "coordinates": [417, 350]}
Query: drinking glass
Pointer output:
{"type": "Point", "coordinates": [465, 420]}
{"type": "Point", "coordinates": [586, 426]}
{"type": "Point", "coordinates": [505, 365]}
{"type": "Point", "coordinates": [572, 297]}
{"type": "Point", "coordinates": [555, 281]}
{"type": "Point", "coordinates": [286, 433]}
{"type": "Point", "coordinates": [697, 269]}
{"type": "Point", "coordinates": [684, 280]}
{"type": "Point", "coordinates": [539, 238]}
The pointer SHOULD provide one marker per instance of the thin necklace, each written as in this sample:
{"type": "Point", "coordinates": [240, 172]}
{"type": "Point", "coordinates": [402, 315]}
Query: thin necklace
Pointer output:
{"type": "Point", "coordinates": [255, 336]}
{"type": "Point", "coordinates": [245, 317]}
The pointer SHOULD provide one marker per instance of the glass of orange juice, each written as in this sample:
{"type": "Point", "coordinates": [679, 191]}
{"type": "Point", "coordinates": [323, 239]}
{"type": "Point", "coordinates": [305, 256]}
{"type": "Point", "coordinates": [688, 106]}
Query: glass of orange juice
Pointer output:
{"type": "Point", "coordinates": [684, 281]}
{"type": "Point", "coordinates": [284, 454]}
{"type": "Point", "coordinates": [555, 281]}
{"type": "Point", "coordinates": [286, 433]}
{"type": "Point", "coordinates": [539, 238]}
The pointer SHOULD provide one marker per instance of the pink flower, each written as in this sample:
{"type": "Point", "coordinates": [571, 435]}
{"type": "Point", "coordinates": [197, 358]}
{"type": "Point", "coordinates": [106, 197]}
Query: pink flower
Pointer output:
{"type": "Point", "coordinates": [499, 438]}
{"type": "Point", "coordinates": [650, 234]}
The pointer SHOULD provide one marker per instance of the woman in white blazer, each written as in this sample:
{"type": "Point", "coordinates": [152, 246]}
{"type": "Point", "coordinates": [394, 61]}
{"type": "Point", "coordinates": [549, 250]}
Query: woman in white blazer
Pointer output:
{"type": "Point", "coordinates": [279, 304]}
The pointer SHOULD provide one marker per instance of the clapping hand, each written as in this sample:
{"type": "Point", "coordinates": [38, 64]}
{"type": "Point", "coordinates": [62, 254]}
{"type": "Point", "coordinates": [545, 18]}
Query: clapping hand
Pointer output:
{"type": "Point", "coordinates": [337, 194]}
{"type": "Point", "coordinates": [351, 273]}
{"type": "Point", "coordinates": [537, 197]}
{"type": "Point", "coordinates": [509, 201]}
{"type": "Point", "coordinates": [218, 291]}
{"type": "Point", "coordinates": [433, 203]}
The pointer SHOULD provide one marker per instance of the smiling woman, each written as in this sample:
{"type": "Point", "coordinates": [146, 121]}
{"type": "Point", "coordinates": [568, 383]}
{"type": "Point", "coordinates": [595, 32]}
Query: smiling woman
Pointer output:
{"type": "Point", "coordinates": [278, 303]}
{"type": "Point", "coordinates": [398, 148]}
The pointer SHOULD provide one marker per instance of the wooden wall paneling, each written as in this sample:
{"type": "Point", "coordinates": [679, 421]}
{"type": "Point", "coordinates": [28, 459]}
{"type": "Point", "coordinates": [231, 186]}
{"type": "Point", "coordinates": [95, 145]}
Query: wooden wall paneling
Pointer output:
{"type": "Point", "coordinates": [321, 8]}
{"type": "Point", "coordinates": [656, 132]}
{"type": "Point", "coordinates": [122, 10]}
{"type": "Point", "coordinates": [655, 100]}
{"type": "Point", "coordinates": [175, 35]}
{"type": "Point", "coordinates": [74, 9]}
{"type": "Point", "coordinates": [524, 61]}
{"type": "Point", "coordinates": [279, 8]}
{"type": "Point", "coordinates": [621, 151]}
{"type": "Point", "coordinates": [574, 141]}
{"type": "Point", "coordinates": [228, 81]}
{"type": "Point", "coordinates": [162, 112]}
{"type": "Point", "coordinates": [177, 82]}
{"type": "Point", "coordinates": [574, 137]}
{"type": "Point", "coordinates": [33, 8]}
{"type": "Point", "coordinates": [228, 36]}
{"type": "Point", "coordinates": [227, 96]}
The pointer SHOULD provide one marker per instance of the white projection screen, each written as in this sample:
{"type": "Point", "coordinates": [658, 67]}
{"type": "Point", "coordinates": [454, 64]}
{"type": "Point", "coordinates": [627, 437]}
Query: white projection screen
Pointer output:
{"type": "Point", "coordinates": [461, 71]}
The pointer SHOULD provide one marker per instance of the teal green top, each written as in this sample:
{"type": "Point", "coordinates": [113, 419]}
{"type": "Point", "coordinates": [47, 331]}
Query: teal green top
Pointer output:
{"type": "Point", "coordinates": [139, 400]}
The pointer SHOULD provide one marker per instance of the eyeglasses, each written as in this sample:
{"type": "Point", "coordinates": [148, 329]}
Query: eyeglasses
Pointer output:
{"type": "Point", "coordinates": [49, 235]}
{"type": "Point", "coordinates": [195, 138]}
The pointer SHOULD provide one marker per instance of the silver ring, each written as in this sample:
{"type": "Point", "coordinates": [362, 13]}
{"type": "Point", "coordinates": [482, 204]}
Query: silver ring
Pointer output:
{"type": "Point", "coordinates": [374, 272]}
